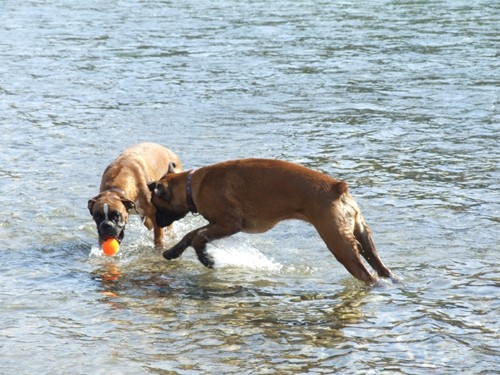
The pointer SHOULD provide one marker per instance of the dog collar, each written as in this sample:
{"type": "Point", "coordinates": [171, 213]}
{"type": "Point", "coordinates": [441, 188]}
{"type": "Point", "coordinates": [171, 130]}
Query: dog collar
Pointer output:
{"type": "Point", "coordinates": [189, 195]}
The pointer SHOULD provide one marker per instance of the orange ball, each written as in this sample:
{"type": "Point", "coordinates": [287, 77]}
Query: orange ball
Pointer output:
{"type": "Point", "coordinates": [110, 247]}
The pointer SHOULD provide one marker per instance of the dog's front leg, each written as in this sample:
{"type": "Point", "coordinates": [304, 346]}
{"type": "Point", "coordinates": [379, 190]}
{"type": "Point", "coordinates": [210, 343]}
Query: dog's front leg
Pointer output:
{"type": "Point", "coordinates": [207, 234]}
{"type": "Point", "coordinates": [177, 250]}
{"type": "Point", "coordinates": [159, 235]}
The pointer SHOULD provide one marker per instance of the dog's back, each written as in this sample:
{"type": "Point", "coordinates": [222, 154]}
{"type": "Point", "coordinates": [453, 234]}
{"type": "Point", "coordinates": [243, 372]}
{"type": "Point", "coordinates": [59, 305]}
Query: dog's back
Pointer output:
{"type": "Point", "coordinates": [268, 189]}
{"type": "Point", "coordinates": [139, 164]}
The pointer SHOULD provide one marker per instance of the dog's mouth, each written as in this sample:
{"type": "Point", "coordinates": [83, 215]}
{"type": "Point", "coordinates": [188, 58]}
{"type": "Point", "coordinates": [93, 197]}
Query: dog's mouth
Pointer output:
{"type": "Point", "coordinates": [119, 238]}
{"type": "Point", "coordinates": [110, 230]}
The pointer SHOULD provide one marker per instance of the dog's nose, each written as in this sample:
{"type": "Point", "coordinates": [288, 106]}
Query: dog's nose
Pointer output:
{"type": "Point", "coordinates": [106, 224]}
{"type": "Point", "coordinates": [107, 228]}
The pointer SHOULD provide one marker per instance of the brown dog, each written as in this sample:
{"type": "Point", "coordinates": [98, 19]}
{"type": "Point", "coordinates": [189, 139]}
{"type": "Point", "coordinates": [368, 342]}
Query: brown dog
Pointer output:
{"type": "Point", "coordinates": [124, 190]}
{"type": "Point", "coordinates": [252, 195]}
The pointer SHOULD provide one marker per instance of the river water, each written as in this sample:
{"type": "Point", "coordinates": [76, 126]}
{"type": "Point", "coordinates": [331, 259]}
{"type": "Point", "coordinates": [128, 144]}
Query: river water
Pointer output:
{"type": "Point", "coordinates": [399, 98]}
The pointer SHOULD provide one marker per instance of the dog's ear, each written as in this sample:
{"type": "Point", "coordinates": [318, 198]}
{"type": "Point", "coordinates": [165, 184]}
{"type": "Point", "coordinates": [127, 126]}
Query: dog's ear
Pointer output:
{"type": "Point", "coordinates": [90, 205]}
{"type": "Point", "coordinates": [171, 167]}
{"type": "Point", "coordinates": [158, 189]}
{"type": "Point", "coordinates": [129, 205]}
{"type": "Point", "coordinates": [152, 186]}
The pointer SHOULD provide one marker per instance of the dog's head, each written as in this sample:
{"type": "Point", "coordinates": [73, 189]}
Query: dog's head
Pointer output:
{"type": "Point", "coordinates": [168, 196]}
{"type": "Point", "coordinates": [110, 212]}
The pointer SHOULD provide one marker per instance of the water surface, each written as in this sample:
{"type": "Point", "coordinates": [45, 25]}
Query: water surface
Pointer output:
{"type": "Point", "coordinates": [398, 98]}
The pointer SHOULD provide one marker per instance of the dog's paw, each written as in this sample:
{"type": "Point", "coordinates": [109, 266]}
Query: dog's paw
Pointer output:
{"type": "Point", "coordinates": [175, 251]}
{"type": "Point", "coordinates": [205, 259]}
{"type": "Point", "coordinates": [169, 254]}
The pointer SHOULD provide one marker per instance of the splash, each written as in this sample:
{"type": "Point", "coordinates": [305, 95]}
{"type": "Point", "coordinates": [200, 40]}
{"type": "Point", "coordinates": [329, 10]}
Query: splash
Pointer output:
{"type": "Point", "coordinates": [230, 253]}
{"type": "Point", "coordinates": [95, 251]}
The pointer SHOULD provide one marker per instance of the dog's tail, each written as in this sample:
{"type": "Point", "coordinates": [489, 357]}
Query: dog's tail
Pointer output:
{"type": "Point", "coordinates": [340, 187]}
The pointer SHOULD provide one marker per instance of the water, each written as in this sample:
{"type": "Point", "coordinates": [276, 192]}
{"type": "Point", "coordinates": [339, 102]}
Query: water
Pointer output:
{"type": "Point", "coordinates": [398, 98]}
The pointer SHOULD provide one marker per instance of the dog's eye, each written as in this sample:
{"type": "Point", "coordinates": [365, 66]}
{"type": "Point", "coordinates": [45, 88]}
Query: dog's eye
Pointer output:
{"type": "Point", "coordinates": [115, 216]}
{"type": "Point", "coordinates": [98, 217]}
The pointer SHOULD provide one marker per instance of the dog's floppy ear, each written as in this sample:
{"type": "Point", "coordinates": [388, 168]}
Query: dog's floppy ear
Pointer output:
{"type": "Point", "coordinates": [90, 205]}
{"type": "Point", "coordinates": [158, 189]}
{"type": "Point", "coordinates": [152, 186]}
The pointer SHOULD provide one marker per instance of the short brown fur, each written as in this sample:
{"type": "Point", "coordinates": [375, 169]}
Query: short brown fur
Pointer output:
{"type": "Point", "coordinates": [253, 195]}
{"type": "Point", "coordinates": [124, 185]}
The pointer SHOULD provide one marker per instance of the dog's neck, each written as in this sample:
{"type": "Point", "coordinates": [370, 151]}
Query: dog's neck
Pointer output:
{"type": "Point", "coordinates": [189, 196]}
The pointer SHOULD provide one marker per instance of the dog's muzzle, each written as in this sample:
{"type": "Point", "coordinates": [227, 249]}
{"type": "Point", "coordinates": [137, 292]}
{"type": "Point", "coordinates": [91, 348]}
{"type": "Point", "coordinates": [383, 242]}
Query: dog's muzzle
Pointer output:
{"type": "Point", "coordinates": [109, 229]}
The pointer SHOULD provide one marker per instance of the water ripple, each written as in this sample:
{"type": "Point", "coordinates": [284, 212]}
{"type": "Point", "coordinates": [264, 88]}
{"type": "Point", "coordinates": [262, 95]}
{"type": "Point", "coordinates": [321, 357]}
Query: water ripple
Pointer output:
{"type": "Point", "coordinates": [400, 99]}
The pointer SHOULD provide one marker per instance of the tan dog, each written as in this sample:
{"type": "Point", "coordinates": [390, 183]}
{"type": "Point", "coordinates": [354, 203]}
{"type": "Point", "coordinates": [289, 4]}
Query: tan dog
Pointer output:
{"type": "Point", "coordinates": [124, 190]}
{"type": "Point", "coordinates": [252, 195]}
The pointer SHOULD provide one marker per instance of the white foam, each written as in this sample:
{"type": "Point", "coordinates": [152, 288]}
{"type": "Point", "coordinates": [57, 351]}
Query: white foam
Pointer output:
{"type": "Point", "coordinates": [229, 253]}
{"type": "Point", "coordinates": [95, 251]}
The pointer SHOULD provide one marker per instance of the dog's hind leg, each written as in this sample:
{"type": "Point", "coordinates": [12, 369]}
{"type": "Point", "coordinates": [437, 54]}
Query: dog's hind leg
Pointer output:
{"type": "Point", "coordinates": [350, 214]}
{"type": "Point", "coordinates": [344, 247]}
{"type": "Point", "coordinates": [367, 248]}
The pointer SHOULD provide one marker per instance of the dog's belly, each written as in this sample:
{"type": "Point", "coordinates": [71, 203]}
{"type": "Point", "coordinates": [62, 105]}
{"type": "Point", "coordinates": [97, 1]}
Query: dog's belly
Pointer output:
{"type": "Point", "coordinates": [257, 228]}
{"type": "Point", "coordinates": [260, 225]}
